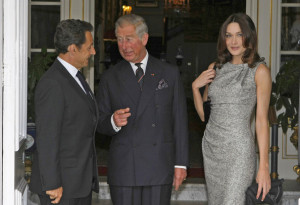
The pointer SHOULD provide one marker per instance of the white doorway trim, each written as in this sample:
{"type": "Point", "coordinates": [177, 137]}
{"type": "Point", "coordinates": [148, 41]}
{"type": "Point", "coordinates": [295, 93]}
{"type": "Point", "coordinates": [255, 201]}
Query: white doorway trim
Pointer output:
{"type": "Point", "coordinates": [1, 97]}
{"type": "Point", "coordinates": [14, 109]}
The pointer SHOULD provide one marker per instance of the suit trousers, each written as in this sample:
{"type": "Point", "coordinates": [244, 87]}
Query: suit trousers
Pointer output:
{"type": "Point", "coordinates": [141, 195]}
{"type": "Point", "coordinates": [45, 200]}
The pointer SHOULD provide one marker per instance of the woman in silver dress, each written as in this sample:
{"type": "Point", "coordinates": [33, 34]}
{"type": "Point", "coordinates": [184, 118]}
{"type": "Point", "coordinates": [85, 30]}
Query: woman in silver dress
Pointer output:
{"type": "Point", "coordinates": [241, 81]}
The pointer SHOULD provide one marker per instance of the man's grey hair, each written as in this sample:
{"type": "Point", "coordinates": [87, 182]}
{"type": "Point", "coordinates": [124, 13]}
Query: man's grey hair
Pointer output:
{"type": "Point", "coordinates": [131, 19]}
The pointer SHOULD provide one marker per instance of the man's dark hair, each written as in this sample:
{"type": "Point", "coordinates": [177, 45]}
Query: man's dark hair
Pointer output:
{"type": "Point", "coordinates": [70, 32]}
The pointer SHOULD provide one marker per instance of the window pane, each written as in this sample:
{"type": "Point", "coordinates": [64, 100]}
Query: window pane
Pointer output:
{"type": "Point", "coordinates": [290, 1]}
{"type": "Point", "coordinates": [290, 28]}
{"type": "Point", "coordinates": [286, 58]}
{"type": "Point", "coordinates": [43, 24]}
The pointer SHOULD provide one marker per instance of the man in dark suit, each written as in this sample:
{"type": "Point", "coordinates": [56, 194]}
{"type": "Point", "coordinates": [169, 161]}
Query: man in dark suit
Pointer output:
{"type": "Point", "coordinates": [64, 167]}
{"type": "Point", "coordinates": [142, 107]}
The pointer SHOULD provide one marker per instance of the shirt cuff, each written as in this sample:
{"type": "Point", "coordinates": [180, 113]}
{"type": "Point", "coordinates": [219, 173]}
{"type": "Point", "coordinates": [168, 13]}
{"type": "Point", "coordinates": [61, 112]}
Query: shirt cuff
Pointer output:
{"type": "Point", "coordinates": [117, 129]}
{"type": "Point", "coordinates": [177, 166]}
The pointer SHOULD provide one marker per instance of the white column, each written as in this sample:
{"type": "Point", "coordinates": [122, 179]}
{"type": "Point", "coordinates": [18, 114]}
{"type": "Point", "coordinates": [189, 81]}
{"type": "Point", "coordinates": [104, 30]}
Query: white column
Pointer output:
{"type": "Point", "coordinates": [1, 97]}
{"type": "Point", "coordinates": [9, 66]}
{"type": "Point", "coordinates": [15, 19]}
{"type": "Point", "coordinates": [264, 14]}
{"type": "Point", "coordinates": [251, 10]}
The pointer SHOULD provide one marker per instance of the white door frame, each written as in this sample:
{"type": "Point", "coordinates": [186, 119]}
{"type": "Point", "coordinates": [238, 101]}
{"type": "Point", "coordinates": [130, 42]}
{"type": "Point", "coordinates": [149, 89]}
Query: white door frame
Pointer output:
{"type": "Point", "coordinates": [14, 108]}
{"type": "Point", "coordinates": [1, 94]}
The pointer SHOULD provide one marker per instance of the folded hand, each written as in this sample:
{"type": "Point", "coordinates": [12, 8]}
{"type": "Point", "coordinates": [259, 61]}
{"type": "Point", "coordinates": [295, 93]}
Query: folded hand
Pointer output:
{"type": "Point", "coordinates": [55, 194]}
{"type": "Point", "coordinates": [179, 177]}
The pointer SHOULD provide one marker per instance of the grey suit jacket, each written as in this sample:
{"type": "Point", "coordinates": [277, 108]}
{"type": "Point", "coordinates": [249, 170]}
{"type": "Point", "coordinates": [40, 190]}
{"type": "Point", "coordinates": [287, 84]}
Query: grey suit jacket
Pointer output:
{"type": "Point", "coordinates": [155, 139]}
{"type": "Point", "coordinates": [66, 120]}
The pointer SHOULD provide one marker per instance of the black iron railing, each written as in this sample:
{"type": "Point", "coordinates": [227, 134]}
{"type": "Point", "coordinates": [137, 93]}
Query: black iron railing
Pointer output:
{"type": "Point", "coordinates": [274, 143]}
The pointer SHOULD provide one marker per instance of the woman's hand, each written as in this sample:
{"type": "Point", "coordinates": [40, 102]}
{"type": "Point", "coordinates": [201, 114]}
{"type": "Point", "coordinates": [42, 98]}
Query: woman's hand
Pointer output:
{"type": "Point", "coordinates": [204, 78]}
{"type": "Point", "coordinates": [264, 182]}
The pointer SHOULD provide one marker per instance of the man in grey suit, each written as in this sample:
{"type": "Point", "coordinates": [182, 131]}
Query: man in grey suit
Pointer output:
{"type": "Point", "coordinates": [142, 106]}
{"type": "Point", "coordinates": [64, 167]}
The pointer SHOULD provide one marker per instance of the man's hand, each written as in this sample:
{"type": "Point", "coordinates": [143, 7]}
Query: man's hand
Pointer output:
{"type": "Point", "coordinates": [179, 176]}
{"type": "Point", "coordinates": [55, 194]}
{"type": "Point", "coordinates": [120, 117]}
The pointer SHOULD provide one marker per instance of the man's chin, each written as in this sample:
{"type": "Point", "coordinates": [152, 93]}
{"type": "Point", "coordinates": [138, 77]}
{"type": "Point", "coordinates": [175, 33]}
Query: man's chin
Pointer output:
{"type": "Point", "coordinates": [86, 64]}
{"type": "Point", "coordinates": [128, 57]}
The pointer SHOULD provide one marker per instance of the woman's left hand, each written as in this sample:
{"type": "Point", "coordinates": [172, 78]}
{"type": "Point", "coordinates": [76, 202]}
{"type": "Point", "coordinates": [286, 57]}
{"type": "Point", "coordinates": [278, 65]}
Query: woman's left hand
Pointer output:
{"type": "Point", "coordinates": [264, 182]}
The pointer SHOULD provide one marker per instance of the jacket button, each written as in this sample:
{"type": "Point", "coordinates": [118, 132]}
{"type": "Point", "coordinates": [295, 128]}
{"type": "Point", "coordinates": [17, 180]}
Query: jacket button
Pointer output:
{"type": "Point", "coordinates": [153, 125]}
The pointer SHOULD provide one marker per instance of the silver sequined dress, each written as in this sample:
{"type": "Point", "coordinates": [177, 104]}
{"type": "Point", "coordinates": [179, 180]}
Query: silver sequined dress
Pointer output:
{"type": "Point", "coordinates": [229, 141]}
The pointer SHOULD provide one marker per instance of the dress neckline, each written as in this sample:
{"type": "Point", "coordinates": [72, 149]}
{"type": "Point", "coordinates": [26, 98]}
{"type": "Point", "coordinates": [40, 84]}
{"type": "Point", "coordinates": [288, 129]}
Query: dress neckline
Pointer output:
{"type": "Point", "coordinates": [240, 64]}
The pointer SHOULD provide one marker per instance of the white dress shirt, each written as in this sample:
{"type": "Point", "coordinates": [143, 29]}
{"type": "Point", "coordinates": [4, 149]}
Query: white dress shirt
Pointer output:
{"type": "Point", "coordinates": [72, 70]}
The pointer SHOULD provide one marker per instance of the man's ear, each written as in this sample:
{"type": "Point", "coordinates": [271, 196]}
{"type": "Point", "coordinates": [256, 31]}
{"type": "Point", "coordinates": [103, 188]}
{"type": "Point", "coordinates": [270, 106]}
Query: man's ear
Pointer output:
{"type": "Point", "coordinates": [145, 39]}
{"type": "Point", "coordinates": [72, 48]}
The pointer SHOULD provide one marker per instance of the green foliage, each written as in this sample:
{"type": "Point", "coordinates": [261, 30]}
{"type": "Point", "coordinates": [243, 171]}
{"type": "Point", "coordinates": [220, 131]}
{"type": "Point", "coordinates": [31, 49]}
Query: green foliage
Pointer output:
{"type": "Point", "coordinates": [285, 94]}
{"type": "Point", "coordinates": [39, 63]}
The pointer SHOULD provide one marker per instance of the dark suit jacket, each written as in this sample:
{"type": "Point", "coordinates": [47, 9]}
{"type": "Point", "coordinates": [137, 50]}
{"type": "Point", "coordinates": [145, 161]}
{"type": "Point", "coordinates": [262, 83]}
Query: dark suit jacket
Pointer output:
{"type": "Point", "coordinates": [155, 139]}
{"type": "Point", "coordinates": [66, 120]}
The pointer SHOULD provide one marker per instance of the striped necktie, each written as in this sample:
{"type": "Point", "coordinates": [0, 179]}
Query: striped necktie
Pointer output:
{"type": "Point", "coordinates": [139, 74]}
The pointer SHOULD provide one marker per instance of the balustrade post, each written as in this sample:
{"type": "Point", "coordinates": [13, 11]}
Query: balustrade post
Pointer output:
{"type": "Point", "coordinates": [274, 143]}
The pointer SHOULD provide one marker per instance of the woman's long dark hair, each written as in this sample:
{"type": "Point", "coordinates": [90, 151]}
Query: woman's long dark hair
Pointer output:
{"type": "Point", "coordinates": [247, 26]}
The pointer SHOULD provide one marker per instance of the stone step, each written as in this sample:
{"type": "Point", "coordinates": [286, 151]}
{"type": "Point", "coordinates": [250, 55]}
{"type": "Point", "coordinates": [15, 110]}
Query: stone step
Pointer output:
{"type": "Point", "coordinates": [191, 190]}
{"type": "Point", "coordinates": [108, 202]}
{"type": "Point", "coordinates": [194, 190]}
{"type": "Point", "coordinates": [291, 193]}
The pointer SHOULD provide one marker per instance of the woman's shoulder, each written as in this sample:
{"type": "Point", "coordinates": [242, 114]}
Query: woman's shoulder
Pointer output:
{"type": "Point", "coordinates": [262, 69]}
{"type": "Point", "coordinates": [261, 64]}
{"type": "Point", "coordinates": [262, 72]}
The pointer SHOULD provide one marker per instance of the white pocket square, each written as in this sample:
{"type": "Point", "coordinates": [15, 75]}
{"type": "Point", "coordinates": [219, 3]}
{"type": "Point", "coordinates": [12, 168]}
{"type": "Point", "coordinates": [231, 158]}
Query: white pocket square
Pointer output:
{"type": "Point", "coordinates": [162, 84]}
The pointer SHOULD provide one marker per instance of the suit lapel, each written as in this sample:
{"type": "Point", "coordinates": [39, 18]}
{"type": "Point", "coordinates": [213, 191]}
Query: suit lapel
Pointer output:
{"type": "Point", "coordinates": [91, 102]}
{"type": "Point", "coordinates": [128, 82]}
{"type": "Point", "coordinates": [151, 79]}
